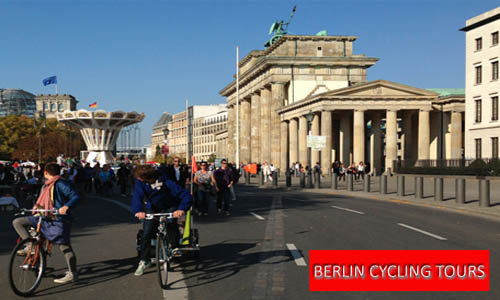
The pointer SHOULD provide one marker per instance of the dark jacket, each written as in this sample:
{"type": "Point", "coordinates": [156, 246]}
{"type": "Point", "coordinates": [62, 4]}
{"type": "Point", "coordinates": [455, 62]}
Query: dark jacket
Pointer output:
{"type": "Point", "coordinates": [184, 175]}
{"type": "Point", "coordinates": [64, 194]}
{"type": "Point", "coordinates": [170, 194]}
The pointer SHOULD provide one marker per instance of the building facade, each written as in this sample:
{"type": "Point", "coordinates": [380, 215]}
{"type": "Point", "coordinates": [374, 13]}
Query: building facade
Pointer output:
{"type": "Point", "coordinates": [319, 78]}
{"type": "Point", "coordinates": [17, 102]}
{"type": "Point", "coordinates": [205, 130]}
{"type": "Point", "coordinates": [51, 104]}
{"type": "Point", "coordinates": [482, 52]}
{"type": "Point", "coordinates": [160, 133]}
{"type": "Point", "coordinates": [181, 128]}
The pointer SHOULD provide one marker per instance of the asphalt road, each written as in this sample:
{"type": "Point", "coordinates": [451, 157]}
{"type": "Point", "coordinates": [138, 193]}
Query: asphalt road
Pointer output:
{"type": "Point", "coordinates": [245, 255]}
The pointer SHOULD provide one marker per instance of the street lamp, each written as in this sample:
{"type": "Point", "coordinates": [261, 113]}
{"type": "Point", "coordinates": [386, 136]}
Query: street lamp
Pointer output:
{"type": "Point", "coordinates": [164, 149]}
{"type": "Point", "coordinates": [41, 116]}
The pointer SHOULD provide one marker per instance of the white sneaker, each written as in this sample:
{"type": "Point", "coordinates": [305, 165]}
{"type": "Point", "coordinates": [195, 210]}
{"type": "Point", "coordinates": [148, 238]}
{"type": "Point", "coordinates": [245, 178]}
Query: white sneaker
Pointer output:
{"type": "Point", "coordinates": [69, 277]}
{"type": "Point", "coordinates": [141, 268]}
{"type": "Point", "coordinates": [24, 252]}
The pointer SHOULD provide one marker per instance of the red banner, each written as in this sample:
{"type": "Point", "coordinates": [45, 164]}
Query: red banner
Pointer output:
{"type": "Point", "coordinates": [399, 270]}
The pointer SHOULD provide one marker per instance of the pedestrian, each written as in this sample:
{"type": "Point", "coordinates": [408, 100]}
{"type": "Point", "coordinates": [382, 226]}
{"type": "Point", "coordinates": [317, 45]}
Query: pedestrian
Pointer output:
{"type": "Point", "coordinates": [222, 178]}
{"type": "Point", "coordinates": [57, 193]}
{"type": "Point", "coordinates": [106, 178]}
{"type": "Point", "coordinates": [361, 171]}
{"type": "Point", "coordinates": [95, 177]}
{"type": "Point", "coordinates": [123, 174]}
{"type": "Point", "coordinates": [203, 179]}
{"type": "Point", "coordinates": [342, 171]}
{"type": "Point", "coordinates": [178, 173]}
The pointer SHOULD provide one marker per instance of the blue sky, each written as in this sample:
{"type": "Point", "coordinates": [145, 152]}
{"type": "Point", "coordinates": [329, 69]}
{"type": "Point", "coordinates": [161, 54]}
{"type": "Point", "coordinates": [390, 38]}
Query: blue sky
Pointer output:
{"type": "Point", "coordinates": [150, 56]}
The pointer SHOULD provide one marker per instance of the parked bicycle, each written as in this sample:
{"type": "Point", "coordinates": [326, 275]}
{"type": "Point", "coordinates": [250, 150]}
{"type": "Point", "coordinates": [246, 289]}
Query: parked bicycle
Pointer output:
{"type": "Point", "coordinates": [26, 270]}
{"type": "Point", "coordinates": [164, 252]}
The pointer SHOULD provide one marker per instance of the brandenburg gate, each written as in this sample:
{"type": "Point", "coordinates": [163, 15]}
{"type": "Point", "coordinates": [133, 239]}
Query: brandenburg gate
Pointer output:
{"type": "Point", "coordinates": [371, 121]}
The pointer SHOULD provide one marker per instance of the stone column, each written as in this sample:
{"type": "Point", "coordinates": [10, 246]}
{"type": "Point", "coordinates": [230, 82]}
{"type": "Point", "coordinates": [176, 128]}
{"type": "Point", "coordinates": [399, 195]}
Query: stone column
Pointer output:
{"type": "Point", "coordinates": [303, 140]}
{"type": "Point", "coordinates": [456, 135]}
{"type": "Point", "coordinates": [376, 150]}
{"type": "Point", "coordinates": [230, 133]}
{"type": "Point", "coordinates": [359, 136]}
{"type": "Point", "coordinates": [284, 164]}
{"type": "Point", "coordinates": [294, 142]}
{"type": "Point", "coordinates": [423, 135]}
{"type": "Point", "coordinates": [265, 124]}
{"type": "Point", "coordinates": [406, 140]}
{"type": "Point", "coordinates": [345, 139]}
{"type": "Point", "coordinates": [391, 138]}
{"type": "Point", "coordinates": [326, 130]}
{"type": "Point", "coordinates": [315, 131]}
{"type": "Point", "coordinates": [245, 131]}
{"type": "Point", "coordinates": [255, 131]}
{"type": "Point", "coordinates": [277, 100]}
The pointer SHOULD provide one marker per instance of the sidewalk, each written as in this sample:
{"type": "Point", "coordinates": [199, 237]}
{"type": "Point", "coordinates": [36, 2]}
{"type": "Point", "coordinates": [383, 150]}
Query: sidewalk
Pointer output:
{"type": "Point", "coordinates": [470, 207]}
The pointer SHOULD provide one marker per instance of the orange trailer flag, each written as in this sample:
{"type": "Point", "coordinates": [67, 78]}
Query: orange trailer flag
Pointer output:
{"type": "Point", "coordinates": [194, 166]}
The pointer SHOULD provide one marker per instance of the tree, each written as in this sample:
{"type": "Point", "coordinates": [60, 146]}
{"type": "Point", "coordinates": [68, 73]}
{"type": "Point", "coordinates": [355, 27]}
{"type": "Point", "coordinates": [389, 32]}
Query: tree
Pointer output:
{"type": "Point", "coordinates": [211, 158]}
{"type": "Point", "coordinates": [13, 128]}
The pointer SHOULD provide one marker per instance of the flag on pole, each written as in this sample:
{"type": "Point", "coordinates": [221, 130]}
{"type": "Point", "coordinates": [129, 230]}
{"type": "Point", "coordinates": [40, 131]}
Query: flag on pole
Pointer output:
{"type": "Point", "coordinates": [194, 166]}
{"type": "Point", "coordinates": [50, 80]}
{"type": "Point", "coordinates": [93, 105]}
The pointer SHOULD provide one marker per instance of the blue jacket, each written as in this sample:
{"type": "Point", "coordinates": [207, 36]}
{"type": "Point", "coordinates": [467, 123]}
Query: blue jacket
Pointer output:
{"type": "Point", "coordinates": [157, 198]}
{"type": "Point", "coordinates": [64, 194]}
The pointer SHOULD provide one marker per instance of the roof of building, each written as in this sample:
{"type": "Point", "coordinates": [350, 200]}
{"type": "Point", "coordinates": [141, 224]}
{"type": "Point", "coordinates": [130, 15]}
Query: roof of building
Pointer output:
{"type": "Point", "coordinates": [448, 92]}
{"type": "Point", "coordinates": [164, 119]}
{"type": "Point", "coordinates": [482, 19]}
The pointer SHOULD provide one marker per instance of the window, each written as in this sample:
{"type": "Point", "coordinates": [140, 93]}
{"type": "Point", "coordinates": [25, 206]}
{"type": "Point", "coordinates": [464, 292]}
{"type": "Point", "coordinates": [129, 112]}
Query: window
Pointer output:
{"type": "Point", "coordinates": [494, 70]}
{"type": "Point", "coordinates": [479, 74]}
{"type": "Point", "coordinates": [45, 106]}
{"type": "Point", "coordinates": [494, 38]}
{"type": "Point", "coordinates": [52, 107]}
{"type": "Point", "coordinates": [479, 44]}
{"type": "Point", "coordinates": [494, 147]}
{"type": "Point", "coordinates": [494, 108]}
{"type": "Point", "coordinates": [61, 107]}
{"type": "Point", "coordinates": [478, 111]}
{"type": "Point", "coordinates": [478, 148]}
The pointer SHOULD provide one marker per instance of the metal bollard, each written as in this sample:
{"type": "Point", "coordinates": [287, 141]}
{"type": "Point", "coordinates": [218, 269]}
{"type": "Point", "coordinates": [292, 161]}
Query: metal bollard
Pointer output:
{"type": "Point", "coordinates": [350, 183]}
{"type": "Point", "coordinates": [438, 189]}
{"type": "Point", "coordinates": [460, 190]}
{"type": "Point", "coordinates": [335, 181]}
{"type": "Point", "coordinates": [366, 184]}
{"type": "Point", "coordinates": [302, 180]}
{"type": "Point", "coordinates": [309, 179]}
{"type": "Point", "coordinates": [419, 187]}
{"type": "Point", "coordinates": [317, 180]}
{"type": "Point", "coordinates": [275, 179]}
{"type": "Point", "coordinates": [383, 184]}
{"type": "Point", "coordinates": [247, 177]}
{"type": "Point", "coordinates": [401, 186]}
{"type": "Point", "coordinates": [484, 193]}
{"type": "Point", "coordinates": [288, 179]}
{"type": "Point", "coordinates": [261, 179]}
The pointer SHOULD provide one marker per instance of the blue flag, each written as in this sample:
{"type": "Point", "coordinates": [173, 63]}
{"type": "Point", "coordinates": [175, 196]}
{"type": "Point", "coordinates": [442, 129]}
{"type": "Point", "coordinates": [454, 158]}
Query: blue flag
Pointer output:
{"type": "Point", "coordinates": [50, 80]}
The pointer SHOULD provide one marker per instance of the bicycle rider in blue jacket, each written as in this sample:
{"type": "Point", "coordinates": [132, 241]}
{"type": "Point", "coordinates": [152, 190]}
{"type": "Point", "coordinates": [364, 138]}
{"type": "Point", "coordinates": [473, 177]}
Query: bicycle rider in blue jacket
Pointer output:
{"type": "Point", "coordinates": [154, 193]}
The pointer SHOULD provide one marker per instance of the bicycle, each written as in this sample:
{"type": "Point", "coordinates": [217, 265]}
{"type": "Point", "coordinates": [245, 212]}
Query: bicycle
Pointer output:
{"type": "Point", "coordinates": [32, 266]}
{"type": "Point", "coordinates": [163, 252]}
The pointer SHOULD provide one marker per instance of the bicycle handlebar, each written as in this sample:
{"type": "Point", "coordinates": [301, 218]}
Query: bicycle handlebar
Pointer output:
{"type": "Point", "coordinates": [167, 215]}
{"type": "Point", "coordinates": [23, 211]}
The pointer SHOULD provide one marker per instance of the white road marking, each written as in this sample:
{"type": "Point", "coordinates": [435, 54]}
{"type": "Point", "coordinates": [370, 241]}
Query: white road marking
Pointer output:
{"type": "Point", "coordinates": [178, 288]}
{"type": "Point", "coordinates": [257, 216]}
{"type": "Point", "coordinates": [299, 260]}
{"type": "Point", "coordinates": [423, 232]}
{"type": "Point", "coordinates": [347, 209]}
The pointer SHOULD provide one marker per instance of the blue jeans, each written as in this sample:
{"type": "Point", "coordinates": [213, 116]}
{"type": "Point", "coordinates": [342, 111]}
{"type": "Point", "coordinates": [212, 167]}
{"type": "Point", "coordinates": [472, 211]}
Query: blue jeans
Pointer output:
{"type": "Point", "coordinates": [203, 197]}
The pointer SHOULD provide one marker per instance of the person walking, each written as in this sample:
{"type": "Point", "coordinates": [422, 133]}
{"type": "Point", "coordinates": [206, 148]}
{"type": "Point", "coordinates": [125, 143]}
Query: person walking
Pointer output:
{"type": "Point", "coordinates": [222, 178]}
{"type": "Point", "coordinates": [123, 174]}
{"type": "Point", "coordinates": [203, 179]}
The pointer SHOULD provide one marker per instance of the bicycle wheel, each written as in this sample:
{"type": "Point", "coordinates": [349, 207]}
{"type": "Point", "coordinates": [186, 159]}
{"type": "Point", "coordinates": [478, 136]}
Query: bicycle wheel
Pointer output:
{"type": "Point", "coordinates": [26, 271]}
{"type": "Point", "coordinates": [162, 261]}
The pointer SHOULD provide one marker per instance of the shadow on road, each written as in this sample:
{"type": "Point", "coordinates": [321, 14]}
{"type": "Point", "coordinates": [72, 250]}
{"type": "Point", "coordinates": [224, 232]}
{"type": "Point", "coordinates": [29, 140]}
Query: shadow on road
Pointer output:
{"type": "Point", "coordinates": [223, 260]}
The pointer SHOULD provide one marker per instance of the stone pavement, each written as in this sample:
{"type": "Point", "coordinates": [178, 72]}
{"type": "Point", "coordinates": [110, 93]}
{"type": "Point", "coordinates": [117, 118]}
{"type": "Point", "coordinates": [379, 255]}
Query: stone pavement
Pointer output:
{"type": "Point", "coordinates": [471, 206]}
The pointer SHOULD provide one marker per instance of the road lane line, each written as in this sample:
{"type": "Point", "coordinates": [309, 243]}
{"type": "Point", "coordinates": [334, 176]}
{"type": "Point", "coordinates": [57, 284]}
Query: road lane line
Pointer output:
{"type": "Point", "coordinates": [299, 260]}
{"type": "Point", "coordinates": [423, 232]}
{"type": "Point", "coordinates": [347, 209]}
{"type": "Point", "coordinates": [257, 216]}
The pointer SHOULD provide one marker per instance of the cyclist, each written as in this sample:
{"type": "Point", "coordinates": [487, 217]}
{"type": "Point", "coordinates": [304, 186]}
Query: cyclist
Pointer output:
{"type": "Point", "coordinates": [154, 193]}
{"type": "Point", "coordinates": [57, 193]}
